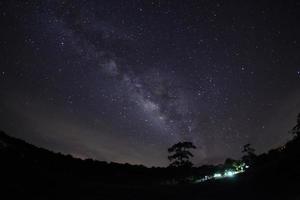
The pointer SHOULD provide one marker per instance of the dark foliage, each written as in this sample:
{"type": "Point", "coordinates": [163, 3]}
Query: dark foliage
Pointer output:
{"type": "Point", "coordinates": [29, 172]}
{"type": "Point", "coordinates": [180, 154]}
{"type": "Point", "coordinates": [250, 156]}
{"type": "Point", "coordinates": [296, 129]}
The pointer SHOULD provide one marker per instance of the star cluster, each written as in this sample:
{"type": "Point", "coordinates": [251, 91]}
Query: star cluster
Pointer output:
{"type": "Point", "coordinates": [123, 80]}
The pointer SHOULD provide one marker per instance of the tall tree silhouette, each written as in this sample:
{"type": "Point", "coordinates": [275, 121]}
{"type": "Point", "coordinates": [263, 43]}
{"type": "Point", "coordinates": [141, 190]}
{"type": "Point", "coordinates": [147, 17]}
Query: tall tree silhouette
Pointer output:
{"type": "Point", "coordinates": [248, 149]}
{"type": "Point", "coordinates": [180, 154]}
{"type": "Point", "coordinates": [296, 130]}
{"type": "Point", "coordinates": [250, 155]}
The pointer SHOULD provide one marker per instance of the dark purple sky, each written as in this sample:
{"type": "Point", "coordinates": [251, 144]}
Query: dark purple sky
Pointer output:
{"type": "Point", "coordinates": [123, 80]}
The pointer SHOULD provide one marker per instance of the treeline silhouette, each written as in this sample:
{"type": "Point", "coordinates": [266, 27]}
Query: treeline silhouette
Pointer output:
{"type": "Point", "coordinates": [37, 173]}
{"type": "Point", "coordinates": [18, 155]}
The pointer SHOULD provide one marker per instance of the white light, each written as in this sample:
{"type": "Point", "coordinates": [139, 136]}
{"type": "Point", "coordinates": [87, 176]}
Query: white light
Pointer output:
{"type": "Point", "coordinates": [217, 175]}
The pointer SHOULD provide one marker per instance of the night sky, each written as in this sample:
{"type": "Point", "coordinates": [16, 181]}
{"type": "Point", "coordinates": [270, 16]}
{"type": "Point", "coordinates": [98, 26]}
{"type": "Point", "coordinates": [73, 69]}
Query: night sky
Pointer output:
{"type": "Point", "coordinates": [122, 81]}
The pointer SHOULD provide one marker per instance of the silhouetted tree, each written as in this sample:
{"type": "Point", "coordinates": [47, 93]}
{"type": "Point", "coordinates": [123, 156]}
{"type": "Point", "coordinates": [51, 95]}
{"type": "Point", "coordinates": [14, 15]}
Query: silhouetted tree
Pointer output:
{"type": "Point", "coordinates": [250, 155]}
{"type": "Point", "coordinates": [296, 130]}
{"type": "Point", "coordinates": [248, 149]}
{"type": "Point", "coordinates": [181, 155]}
{"type": "Point", "coordinates": [229, 162]}
{"type": "Point", "coordinates": [232, 164]}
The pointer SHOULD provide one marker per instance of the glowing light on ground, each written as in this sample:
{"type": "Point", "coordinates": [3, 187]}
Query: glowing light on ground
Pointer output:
{"type": "Point", "coordinates": [217, 175]}
{"type": "Point", "coordinates": [228, 173]}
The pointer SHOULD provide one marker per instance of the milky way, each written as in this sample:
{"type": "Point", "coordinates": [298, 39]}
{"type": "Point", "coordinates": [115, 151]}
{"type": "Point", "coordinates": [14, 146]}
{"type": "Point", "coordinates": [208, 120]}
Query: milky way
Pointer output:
{"type": "Point", "coordinates": [121, 81]}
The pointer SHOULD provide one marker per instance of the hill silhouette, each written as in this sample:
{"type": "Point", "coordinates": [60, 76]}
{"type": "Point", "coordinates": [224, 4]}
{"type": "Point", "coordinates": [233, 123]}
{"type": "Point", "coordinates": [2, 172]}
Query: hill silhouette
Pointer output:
{"type": "Point", "coordinates": [36, 173]}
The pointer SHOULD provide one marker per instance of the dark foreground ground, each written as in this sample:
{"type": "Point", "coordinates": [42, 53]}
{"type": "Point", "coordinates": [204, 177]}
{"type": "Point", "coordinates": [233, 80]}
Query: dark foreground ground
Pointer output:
{"type": "Point", "coordinates": [28, 172]}
{"type": "Point", "coordinates": [225, 189]}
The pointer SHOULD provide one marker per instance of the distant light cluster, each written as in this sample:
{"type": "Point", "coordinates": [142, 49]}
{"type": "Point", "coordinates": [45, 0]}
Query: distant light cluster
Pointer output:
{"type": "Point", "coordinates": [228, 173]}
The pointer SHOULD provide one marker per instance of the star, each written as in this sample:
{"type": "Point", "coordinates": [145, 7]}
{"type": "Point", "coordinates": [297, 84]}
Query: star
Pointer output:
{"type": "Point", "coordinates": [116, 79]}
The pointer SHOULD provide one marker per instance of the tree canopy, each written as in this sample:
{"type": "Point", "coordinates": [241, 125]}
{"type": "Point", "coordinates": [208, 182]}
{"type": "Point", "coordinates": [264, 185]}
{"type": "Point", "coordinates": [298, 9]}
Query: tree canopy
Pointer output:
{"type": "Point", "coordinates": [180, 154]}
{"type": "Point", "coordinates": [296, 129]}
